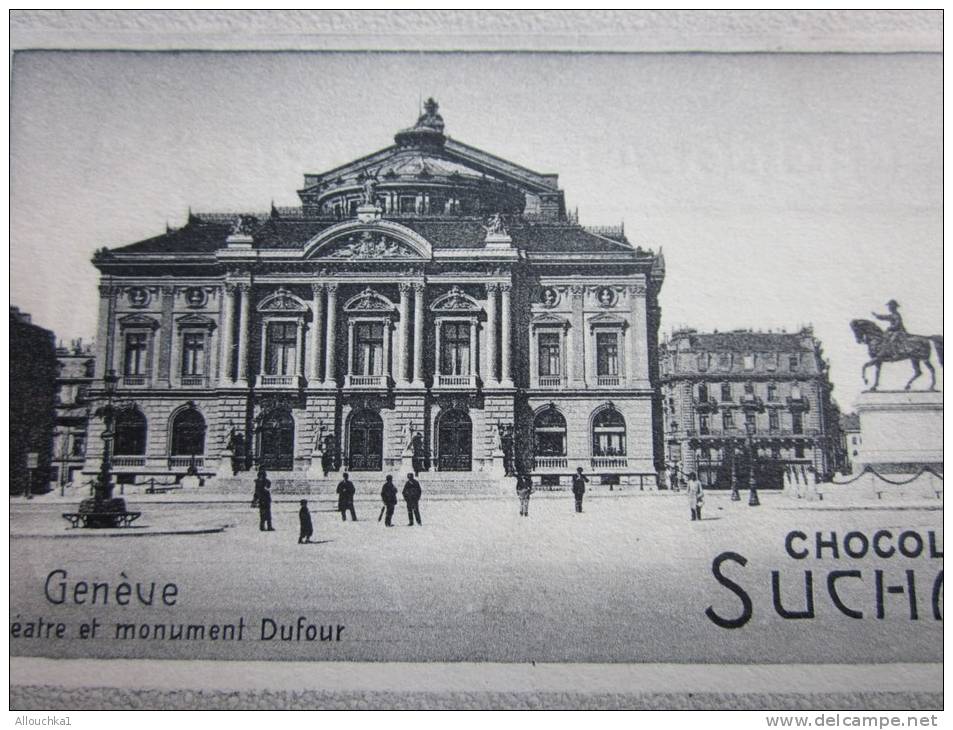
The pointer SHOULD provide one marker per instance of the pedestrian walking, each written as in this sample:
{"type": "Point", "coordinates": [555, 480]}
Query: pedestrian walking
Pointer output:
{"type": "Point", "coordinates": [307, 528]}
{"type": "Point", "coordinates": [264, 508]}
{"type": "Point", "coordinates": [389, 498]}
{"type": "Point", "coordinates": [261, 481]}
{"type": "Point", "coordinates": [524, 488]}
{"type": "Point", "coordinates": [412, 493]}
{"type": "Point", "coordinates": [579, 481]}
{"type": "Point", "coordinates": [419, 453]}
{"type": "Point", "coordinates": [696, 496]}
{"type": "Point", "coordinates": [346, 498]}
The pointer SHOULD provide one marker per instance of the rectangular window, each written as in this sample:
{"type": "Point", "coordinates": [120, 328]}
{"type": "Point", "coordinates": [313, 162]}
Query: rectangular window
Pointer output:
{"type": "Point", "coordinates": [703, 425]}
{"type": "Point", "coordinates": [703, 362]}
{"type": "Point", "coordinates": [750, 420]}
{"type": "Point", "coordinates": [282, 348]}
{"type": "Point", "coordinates": [797, 423]}
{"type": "Point", "coordinates": [724, 361]}
{"type": "Point", "coordinates": [455, 349]}
{"type": "Point", "coordinates": [772, 391]}
{"type": "Point", "coordinates": [726, 392]}
{"type": "Point", "coordinates": [607, 353]}
{"type": "Point", "coordinates": [549, 353]}
{"type": "Point", "coordinates": [369, 348]}
{"type": "Point", "coordinates": [775, 452]}
{"type": "Point", "coordinates": [727, 421]}
{"type": "Point", "coordinates": [702, 392]}
{"type": "Point", "coordinates": [193, 353]}
{"type": "Point", "coordinates": [749, 388]}
{"type": "Point", "coordinates": [408, 204]}
{"type": "Point", "coordinates": [79, 444]}
{"type": "Point", "coordinates": [774, 422]}
{"type": "Point", "coordinates": [771, 361]}
{"type": "Point", "coordinates": [137, 344]}
{"type": "Point", "coordinates": [793, 361]}
{"type": "Point", "coordinates": [749, 361]}
{"type": "Point", "coordinates": [799, 451]}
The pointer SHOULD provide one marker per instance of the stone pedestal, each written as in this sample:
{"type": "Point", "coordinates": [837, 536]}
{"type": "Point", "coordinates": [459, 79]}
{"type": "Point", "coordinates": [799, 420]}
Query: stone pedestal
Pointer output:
{"type": "Point", "coordinates": [224, 470]}
{"type": "Point", "coordinates": [495, 466]}
{"type": "Point", "coordinates": [315, 469]}
{"type": "Point", "coordinates": [900, 431]}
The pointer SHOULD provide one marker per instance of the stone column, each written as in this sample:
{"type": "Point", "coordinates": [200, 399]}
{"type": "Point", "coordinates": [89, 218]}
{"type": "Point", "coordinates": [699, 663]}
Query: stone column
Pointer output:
{"type": "Point", "coordinates": [473, 348]}
{"type": "Point", "coordinates": [104, 334]}
{"type": "Point", "coordinates": [400, 374]}
{"type": "Point", "coordinates": [639, 369]}
{"type": "Point", "coordinates": [244, 322]}
{"type": "Point", "coordinates": [330, 371]}
{"type": "Point", "coordinates": [576, 354]}
{"type": "Point", "coordinates": [228, 318]}
{"type": "Point", "coordinates": [317, 318]}
{"type": "Point", "coordinates": [349, 368]}
{"type": "Point", "coordinates": [164, 349]}
{"type": "Point", "coordinates": [491, 336]}
{"type": "Point", "coordinates": [299, 343]}
{"type": "Point", "coordinates": [418, 335]}
{"type": "Point", "coordinates": [506, 339]}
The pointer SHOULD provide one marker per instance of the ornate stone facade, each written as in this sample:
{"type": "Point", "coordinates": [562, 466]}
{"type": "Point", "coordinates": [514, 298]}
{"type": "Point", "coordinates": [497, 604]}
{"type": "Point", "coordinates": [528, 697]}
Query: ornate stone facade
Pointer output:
{"type": "Point", "coordinates": [429, 288]}
{"type": "Point", "coordinates": [716, 387]}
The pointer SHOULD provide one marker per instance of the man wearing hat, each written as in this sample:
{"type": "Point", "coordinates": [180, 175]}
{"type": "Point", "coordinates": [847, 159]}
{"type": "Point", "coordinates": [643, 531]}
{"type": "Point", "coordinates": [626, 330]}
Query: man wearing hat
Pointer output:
{"type": "Point", "coordinates": [895, 330]}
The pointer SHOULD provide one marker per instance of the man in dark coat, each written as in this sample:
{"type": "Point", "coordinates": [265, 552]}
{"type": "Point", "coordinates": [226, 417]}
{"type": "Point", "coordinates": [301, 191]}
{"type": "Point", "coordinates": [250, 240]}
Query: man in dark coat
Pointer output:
{"type": "Point", "coordinates": [412, 493]}
{"type": "Point", "coordinates": [261, 481]}
{"type": "Point", "coordinates": [389, 498]}
{"type": "Point", "coordinates": [264, 508]}
{"type": "Point", "coordinates": [417, 445]}
{"type": "Point", "coordinates": [346, 498]}
{"type": "Point", "coordinates": [579, 487]}
{"type": "Point", "coordinates": [327, 455]}
{"type": "Point", "coordinates": [307, 528]}
{"type": "Point", "coordinates": [506, 445]}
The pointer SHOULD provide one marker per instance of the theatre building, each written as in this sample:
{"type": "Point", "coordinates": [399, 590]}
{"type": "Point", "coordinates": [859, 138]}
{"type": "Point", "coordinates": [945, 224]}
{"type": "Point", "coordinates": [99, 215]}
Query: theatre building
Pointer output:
{"type": "Point", "coordinates": [428, 288]}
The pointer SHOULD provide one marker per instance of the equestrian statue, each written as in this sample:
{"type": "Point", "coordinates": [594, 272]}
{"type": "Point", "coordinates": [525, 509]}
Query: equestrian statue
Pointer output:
{"type": "Point", "coordinates": [895, 344]}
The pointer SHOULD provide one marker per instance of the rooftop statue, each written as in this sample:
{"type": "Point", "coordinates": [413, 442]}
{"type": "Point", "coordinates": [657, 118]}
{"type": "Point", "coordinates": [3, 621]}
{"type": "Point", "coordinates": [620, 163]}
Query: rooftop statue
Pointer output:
{"type": "Point", "coordinates": [895, 344]}
{"type": "Point", "coordinates": [370, 188]}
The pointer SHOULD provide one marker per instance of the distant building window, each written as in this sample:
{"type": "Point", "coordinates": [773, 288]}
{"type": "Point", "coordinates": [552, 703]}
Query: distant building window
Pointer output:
{"type": "Point", "coordinates": [549, 353]}
{"type": "Point", "coordinates": [129, 437]}
{"type": "Point", "coordinates": [727, 421]}
{"type": "Point", "coordinates": [794, 360]}
{"type": "Point", "coordinates": [797, 423]}
{"type": "Point", "coordinates": [772, 391]}
{"type": "Point", "coordinates": [703, 425]}
{"type": "Point", "coordinates": [774, 421]}
{"type": "Point", "coordinates": [193, 353]}
{"type": "Point", "coordinates": [282, 348]}
{"type": "Point", "coordinates": [749, 362]}
{"type": "Point", "coordinates": [79, 444]}
{"type": "Point", "coordinates": [702, 392]}
{"type": "Point", "coordinates": [771, 361]}
{"type": "Point", "coordinates": [703, 362]}
{"type": "Point", "coordinates": [82, 393]}
{"type": "Point", "coordinates": [455, 349]}
{"type": "Point", "coordinates": [726, 392]}
{"type": "Point", "coordinates": [799, 451]}
{"type": "Point", "coordinates": [188, 433]}
{"type": "Point", "coordinates": [795, 392]}
{"type": "Point", "coordinates": [724, 361]}
{"type": "Point", "coordinates": [137, 346]}
{"type": "Point", "coordinates": [775, 452]}
{"type": "Point", "coordinates": [705, 453]}
{"type": "Point", "coordinates": [607, 353]}
{"type": "Point", "coordinates": [750, 420]}
{"type": "Point", "coordinates": [749, 388]}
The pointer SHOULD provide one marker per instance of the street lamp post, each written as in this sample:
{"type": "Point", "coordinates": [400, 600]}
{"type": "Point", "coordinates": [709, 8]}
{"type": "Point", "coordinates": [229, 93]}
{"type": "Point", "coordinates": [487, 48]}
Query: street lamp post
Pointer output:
{"type": "Point", "coordinates": [104, 488]}
{"type": "Point", "coordinates": [732, 450]}
{"type": "Point", "coordinates": [753, 500]}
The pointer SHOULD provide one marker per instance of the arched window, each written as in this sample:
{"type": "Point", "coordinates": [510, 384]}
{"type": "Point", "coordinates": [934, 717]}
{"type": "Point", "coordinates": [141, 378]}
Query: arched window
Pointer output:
{"type": "Point", "coordinates": [608, 433]}
{"type": "Point", "coordinates": [188, 433]}
{"type": "Point", "coordinates": [130, 433]}
{"type": "Point", "coordinates": [549, 432]}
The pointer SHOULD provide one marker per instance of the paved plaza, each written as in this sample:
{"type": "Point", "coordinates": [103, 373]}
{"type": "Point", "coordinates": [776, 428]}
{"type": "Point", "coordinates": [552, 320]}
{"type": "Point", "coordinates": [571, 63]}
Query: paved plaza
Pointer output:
{"type": "Point", "coordinates": [628, 580]}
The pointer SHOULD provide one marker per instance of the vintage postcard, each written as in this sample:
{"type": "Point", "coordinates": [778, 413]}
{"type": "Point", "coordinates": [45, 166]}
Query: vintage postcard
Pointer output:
{"type": "Point", "coordinates": [612, 362]}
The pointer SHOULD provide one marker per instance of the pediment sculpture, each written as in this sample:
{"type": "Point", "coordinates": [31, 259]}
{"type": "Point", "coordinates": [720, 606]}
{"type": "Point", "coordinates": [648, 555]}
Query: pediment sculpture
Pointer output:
{"type": "Point", "coordinates": [455, 300]}
{"type": "Point", "coordinates": [368, 301]}
{"type": "Point", "coordinates": [368, 245]}
{"type": "Point", "coordinates": [282, 301]}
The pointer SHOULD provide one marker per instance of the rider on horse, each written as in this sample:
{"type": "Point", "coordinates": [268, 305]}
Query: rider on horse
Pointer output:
{"type": "Point", "coordinates": [895, 331]}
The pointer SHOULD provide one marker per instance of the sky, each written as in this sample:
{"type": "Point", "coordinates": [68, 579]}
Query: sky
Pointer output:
{"type": "Point", "coordinates": [783, 189]}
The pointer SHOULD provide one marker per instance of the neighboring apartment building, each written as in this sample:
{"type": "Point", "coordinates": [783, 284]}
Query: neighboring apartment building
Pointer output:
{"type": "Point", "coordinates": [720, 388]}
{"type": "Point", "coordinates": [428, 288]}
{"type": "Point", "coordinates": [32, 390]}
{"type": "Point", "coordinates": [75, 377]}
{"type": "Point", "coordinates": [850, 441]}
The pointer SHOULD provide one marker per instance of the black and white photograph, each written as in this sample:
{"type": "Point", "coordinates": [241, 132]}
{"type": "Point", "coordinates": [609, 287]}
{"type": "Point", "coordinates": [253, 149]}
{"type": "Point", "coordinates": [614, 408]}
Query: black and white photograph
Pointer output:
{"type": "Point", "coordinates": [596, 366]}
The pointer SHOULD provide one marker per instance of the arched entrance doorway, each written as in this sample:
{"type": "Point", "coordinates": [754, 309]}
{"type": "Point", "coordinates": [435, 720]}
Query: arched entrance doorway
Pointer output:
{"type": "Point", "coordinates": [277, 440]}
{"type": "Point", "coordinates": [455, 442]}
{"type": "Point", "coordinates": [366, 442]}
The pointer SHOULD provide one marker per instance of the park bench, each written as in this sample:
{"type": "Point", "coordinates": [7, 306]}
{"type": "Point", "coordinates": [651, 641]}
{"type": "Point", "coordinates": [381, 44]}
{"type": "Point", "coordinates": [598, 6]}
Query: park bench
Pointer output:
{"type": "Point", "coordinates": [122, 519]}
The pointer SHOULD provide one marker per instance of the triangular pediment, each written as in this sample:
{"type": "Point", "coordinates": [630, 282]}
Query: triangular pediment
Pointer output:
{"type": "Point", "coordinates": [138, 320]}
{"type": "Point", "coordinates": [455, 301]}
{"type": "Point", "coordinates": [196, 320]}
{"type": "Point", "coordinates": [551, 320]}
{"type": "Point", "coordinates": [282, 301]}
{"type": "Point", "coordinates": [369, 301]}
{"type": "Point", "coordinates": [607, 320]}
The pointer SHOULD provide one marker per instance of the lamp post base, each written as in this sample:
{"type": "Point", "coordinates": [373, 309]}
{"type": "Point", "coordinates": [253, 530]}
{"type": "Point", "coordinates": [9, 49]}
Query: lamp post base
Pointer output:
{"type": "Point", "coordinates": [753, 500]}
{"type": "Point", "coordinates": [735, 497]}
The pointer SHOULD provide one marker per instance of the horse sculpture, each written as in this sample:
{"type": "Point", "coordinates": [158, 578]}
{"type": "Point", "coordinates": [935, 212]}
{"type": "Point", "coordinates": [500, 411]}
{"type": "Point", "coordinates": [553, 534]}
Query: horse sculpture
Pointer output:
{"type": "Point", "coordinates": [915, 348]}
